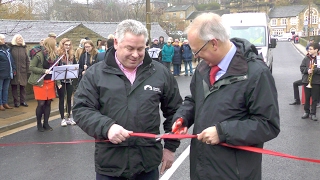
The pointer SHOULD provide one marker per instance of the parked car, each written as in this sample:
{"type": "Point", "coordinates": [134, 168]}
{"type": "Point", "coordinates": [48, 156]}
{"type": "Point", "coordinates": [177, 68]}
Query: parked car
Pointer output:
{"type": "Point", "coordinates": [284, 37]}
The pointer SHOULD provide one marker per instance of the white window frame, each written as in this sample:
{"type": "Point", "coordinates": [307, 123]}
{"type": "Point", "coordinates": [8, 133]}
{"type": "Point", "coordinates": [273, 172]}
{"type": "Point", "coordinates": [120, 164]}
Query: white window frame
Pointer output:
{"type": "Point", "coordinates": [283, 21]}
{"type": "Point", "coordinates": [293, 21]}
{"type": "Point", "coordinates": [273, 22]}
{"type": "Point", "coordinates": [181, 15]}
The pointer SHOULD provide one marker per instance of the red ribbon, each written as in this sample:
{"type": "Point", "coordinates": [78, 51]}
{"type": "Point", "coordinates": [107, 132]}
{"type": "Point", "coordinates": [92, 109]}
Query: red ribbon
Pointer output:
{"type": "Point", "coordinates": [173, 136]}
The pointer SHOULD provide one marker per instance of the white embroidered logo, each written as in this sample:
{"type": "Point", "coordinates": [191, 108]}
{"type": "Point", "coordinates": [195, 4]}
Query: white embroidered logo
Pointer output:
{"type": "Point", "coordinates": [150, 88]}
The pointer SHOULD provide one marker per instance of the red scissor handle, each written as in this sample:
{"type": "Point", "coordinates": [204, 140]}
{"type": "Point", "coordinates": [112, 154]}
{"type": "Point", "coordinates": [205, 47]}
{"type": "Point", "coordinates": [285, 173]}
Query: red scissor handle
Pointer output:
{"type": "Point", "coordinates": [178, 126]}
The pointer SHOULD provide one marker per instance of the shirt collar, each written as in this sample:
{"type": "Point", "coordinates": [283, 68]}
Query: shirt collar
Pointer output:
{"type": "Point", "coordinates": [224, 64]}
{"type": "Point", "coordinates": [122, 67]}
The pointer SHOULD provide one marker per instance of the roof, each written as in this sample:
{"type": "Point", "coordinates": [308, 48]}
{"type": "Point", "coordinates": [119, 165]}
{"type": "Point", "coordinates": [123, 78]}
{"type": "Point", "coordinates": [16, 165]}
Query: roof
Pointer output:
{"type": "Point", "coordinates": [286, 11]}
{"type": "Point", "coordinates": [32, 31]}
{"type": "Point", "coordinates": [194, 14]}
{"type": "Point", "coordinates": [177, 8]}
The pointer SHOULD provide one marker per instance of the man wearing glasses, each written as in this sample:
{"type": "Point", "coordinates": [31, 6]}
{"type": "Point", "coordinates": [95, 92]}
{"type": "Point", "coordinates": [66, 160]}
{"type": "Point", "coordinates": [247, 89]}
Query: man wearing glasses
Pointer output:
{"type": "Point", "coordinates": [233, 100]}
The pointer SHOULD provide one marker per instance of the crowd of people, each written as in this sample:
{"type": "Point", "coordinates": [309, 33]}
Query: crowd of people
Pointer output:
{"type": "Point", "coordinates": [172, 54]}
{"type": "Point", "coordinates": [16, 62]}
{"type": "Point", "coordinates": [233, 99]}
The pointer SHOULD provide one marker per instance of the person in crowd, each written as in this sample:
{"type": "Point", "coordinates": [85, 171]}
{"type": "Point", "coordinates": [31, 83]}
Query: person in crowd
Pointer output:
{"type": "Point", "coordinates": [21, 59]}
{"type": "Point", "coordinates": [65, 49]}
{"type": "Point", "coordinates": [44, 90]}
{"type": "Point", "coordinates": [87, 58]}
{"type": "Point", "coordinates": [311, 81]}
{"type": "Point", "coordinates": [296, 94]}
{"type": "Point", "coordinates": [187, 57]}
{"type": "Point", "coordinates": [171, 40]}
{"type": "Point", "coordinates": [110, 36]}
{"type": "Point", "coordinates": [311, 40]}
{"type": "Point", "coordinates": [147, 45]}
{"type": "Point", "coordinates": [155, 43]}
{"type": "Point", "coordinates": [7, 72]}
{"type": "Point", "coordinates": [167, 54]}
{"type": "Point", "coordinates": [109, 44]}
{"type": "Point", "coordinates": [52, 35]}
{"type": "Point", "coordinates": [102, 46]}
{"type": "Point", "coordinates": [161, 42]}
{"type": "Point", "coordinates": [176, 59]}
{"type": "Point", "coordinates": [154, 51]}
{"type": "Point", "coordinates": [79, 50]}
{"type": "Point", "coordinates": [128, 102]}
{"type": "Point", "coordinates": [233, 100]}
{"type": "Point", "coordinates": [98, 42]}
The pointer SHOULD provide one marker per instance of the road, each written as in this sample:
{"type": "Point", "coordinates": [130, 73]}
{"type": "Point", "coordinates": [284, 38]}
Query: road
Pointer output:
{"type": "Point", "coordinates": [75, 161]}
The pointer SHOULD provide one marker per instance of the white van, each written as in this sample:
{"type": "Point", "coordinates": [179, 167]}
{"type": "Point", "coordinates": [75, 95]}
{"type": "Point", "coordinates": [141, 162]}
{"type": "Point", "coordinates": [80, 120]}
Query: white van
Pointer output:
{"type": "Point", "coordinates": [284, 37]}
{"type": "Point", "coordinates": [253, 27]}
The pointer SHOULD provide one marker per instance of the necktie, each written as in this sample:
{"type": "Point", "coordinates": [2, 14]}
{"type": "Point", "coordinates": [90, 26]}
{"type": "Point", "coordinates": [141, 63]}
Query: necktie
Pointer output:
{"type": "Point", "coordinates": [212, 74]}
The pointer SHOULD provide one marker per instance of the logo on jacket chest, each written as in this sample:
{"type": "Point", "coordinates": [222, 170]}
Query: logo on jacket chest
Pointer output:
{"type": "Point", "coordinates": [150, 88]}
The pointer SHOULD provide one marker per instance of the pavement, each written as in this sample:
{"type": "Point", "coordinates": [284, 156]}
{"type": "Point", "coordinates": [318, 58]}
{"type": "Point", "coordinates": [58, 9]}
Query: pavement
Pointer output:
{"type": "Point", "coordinates": [17, 117]}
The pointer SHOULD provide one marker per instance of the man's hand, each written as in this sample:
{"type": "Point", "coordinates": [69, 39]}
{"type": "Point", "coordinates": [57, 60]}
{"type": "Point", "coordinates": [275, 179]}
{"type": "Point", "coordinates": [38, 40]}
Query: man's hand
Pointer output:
{"type": "Point", "coordinates": [167, 160]}
{"type": "Point", "coordinates": [118, 134]}
{"type": "Point", "coordinates": [209, 136]}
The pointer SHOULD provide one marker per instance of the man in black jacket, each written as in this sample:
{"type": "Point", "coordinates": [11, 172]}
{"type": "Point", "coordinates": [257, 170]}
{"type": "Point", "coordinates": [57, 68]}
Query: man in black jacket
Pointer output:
{"type": "Point", "coordinates": [237, 105]}
{"type": "Point", "coordinates": [121, 95]}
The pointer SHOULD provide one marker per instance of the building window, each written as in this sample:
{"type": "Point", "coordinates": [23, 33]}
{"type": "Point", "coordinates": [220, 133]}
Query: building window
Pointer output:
{"type": "Point", "coordinates": [167, 17]}
{"type": "Point", "coordinates": [314, 19]}
{"type": "Point", "coordinates": [277, 31]}
{"type": "Point", "coordinates": [174, 15]}
{"type": "Point", "coordinates": [283, 21]}
{"type": "Point", "coordinates": [181, 15]}
{"type": "Point", "coordinates": [313, 16]}
{"type": "Point", "coordinates": [293, 21]}
{"type": "Point", "coordinates": [273, 22]}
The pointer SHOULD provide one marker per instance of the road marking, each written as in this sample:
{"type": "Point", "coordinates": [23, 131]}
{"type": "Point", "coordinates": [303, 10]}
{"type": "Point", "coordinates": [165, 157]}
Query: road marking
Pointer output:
{"type": "Point", "coordinates": [15, 130]}
{"type": "Point", "coordinates": [176, 164]}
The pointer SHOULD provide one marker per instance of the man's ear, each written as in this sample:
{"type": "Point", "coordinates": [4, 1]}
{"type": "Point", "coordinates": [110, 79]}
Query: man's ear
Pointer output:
{"type": "Point", "coordinates": [115, 44]}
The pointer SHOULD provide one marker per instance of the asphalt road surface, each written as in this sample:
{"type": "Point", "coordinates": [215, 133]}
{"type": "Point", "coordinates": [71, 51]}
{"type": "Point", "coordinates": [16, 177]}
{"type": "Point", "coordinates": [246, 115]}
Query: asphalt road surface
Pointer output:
{"type": "Point", "coordinates": [298, 137]}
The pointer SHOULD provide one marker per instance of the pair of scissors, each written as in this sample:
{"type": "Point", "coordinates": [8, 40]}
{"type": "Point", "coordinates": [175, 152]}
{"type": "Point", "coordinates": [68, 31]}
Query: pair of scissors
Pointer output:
{"type": "Point", "coordinates": [178, 129]}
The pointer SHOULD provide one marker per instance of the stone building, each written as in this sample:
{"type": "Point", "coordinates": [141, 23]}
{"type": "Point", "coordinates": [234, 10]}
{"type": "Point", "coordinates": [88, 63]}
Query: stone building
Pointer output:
{"type": "Point", "coordinates": [294, 19]}
{"type": "Point", "coordinates": [33, 31]}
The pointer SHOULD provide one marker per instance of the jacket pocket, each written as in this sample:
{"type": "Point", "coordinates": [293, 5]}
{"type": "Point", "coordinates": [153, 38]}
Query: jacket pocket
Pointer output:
{"type": "Point", "coordinates": [34, 78]}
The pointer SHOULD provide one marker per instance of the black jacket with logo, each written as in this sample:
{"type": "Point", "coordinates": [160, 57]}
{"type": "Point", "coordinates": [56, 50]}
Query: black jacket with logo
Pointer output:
{"type": "Point", "coordinates": [105, 96]}
{"type": "Point", "coordinates": [243, 105]}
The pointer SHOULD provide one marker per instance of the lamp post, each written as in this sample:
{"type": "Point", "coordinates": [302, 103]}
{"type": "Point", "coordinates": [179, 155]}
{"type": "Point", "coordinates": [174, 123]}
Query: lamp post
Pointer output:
{"type": "Point", "coordinates": [148, 22]}
{"type": "Point", "coordinates": [309, 21]}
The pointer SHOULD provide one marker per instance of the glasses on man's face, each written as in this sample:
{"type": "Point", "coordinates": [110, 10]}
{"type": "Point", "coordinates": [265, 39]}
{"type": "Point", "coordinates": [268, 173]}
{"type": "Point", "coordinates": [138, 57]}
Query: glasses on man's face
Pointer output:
{"type": "Point", "coordinates": [67, 44]}
{"type": "Point", "coordinates": [87, 47]}
{"type": "Point", "coordinates": [196, 53]}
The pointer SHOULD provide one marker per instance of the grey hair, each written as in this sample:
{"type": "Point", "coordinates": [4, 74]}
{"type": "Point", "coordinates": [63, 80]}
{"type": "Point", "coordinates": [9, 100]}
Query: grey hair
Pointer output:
{"type": "Point", "coordinates": [131, 26]}
{"type": "Point", "coordinates": [208, 26]}
{"type": "Point", "coordinates": [2, 36]}
{"type": "Point", "coordinates": [14, 40]}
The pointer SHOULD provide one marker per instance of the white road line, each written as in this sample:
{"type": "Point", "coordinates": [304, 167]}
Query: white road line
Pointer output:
{"type": "Point", "coordinates": [176, 164]}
